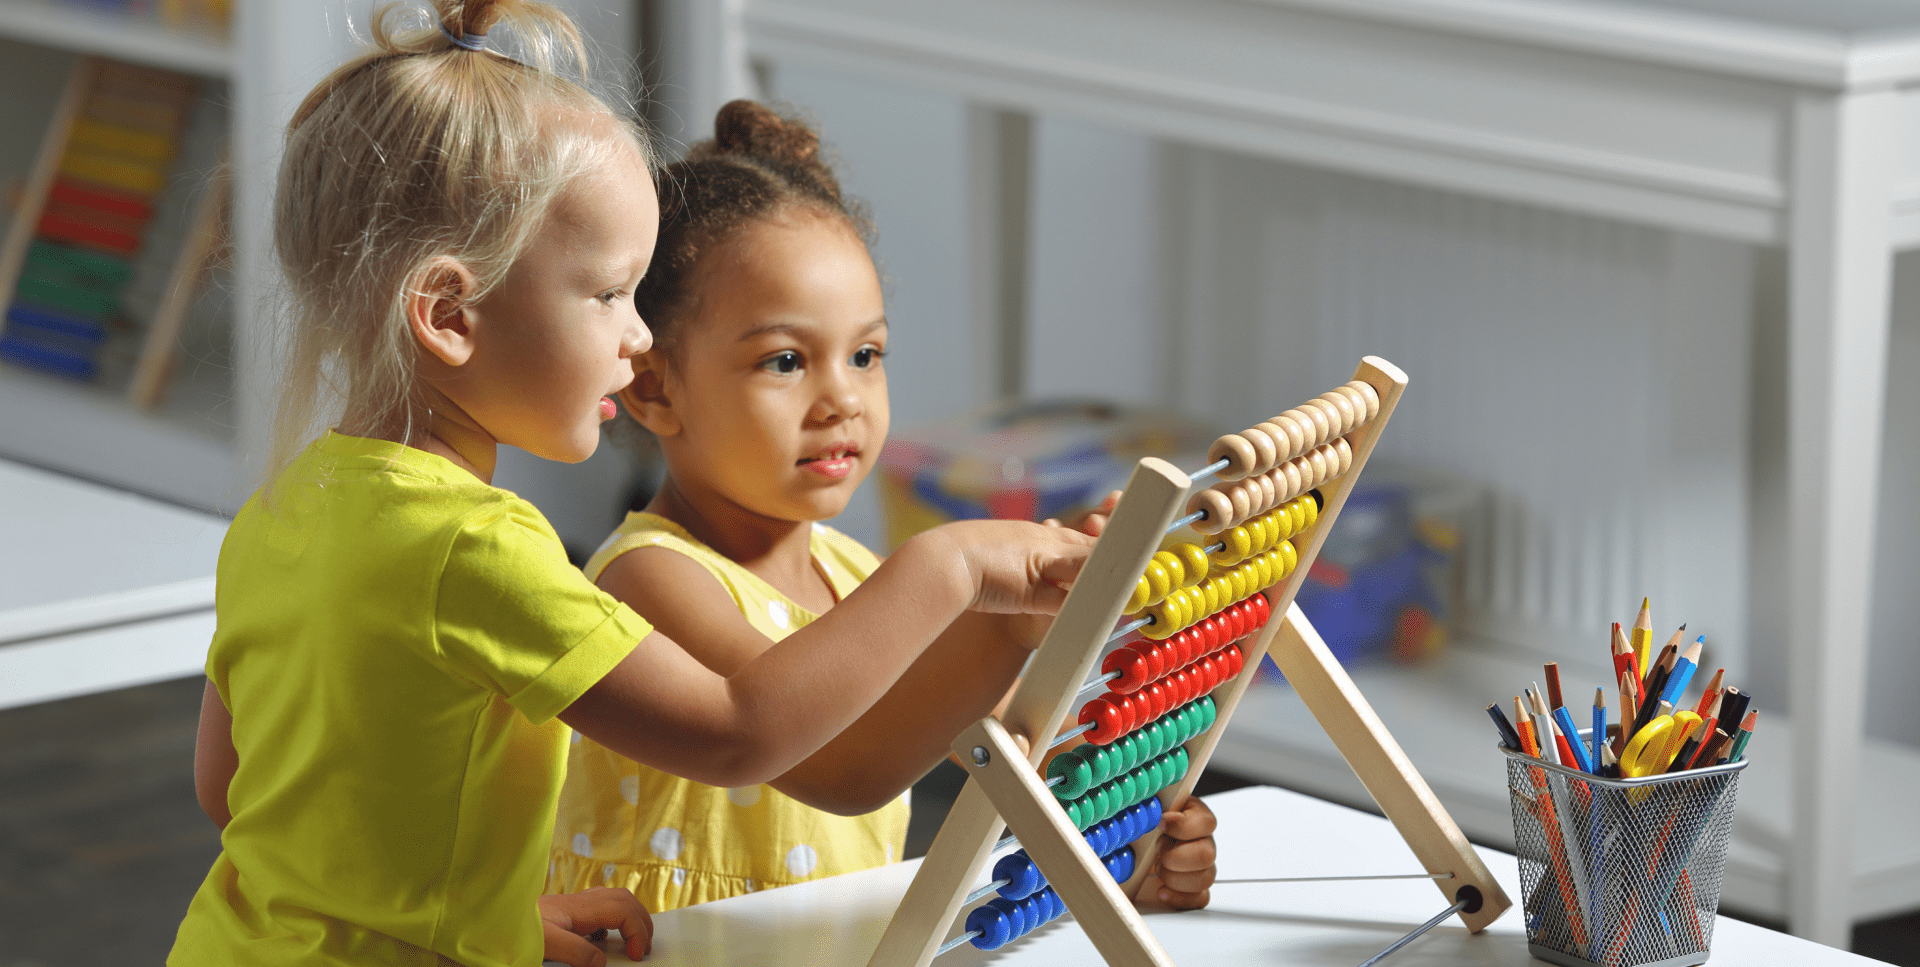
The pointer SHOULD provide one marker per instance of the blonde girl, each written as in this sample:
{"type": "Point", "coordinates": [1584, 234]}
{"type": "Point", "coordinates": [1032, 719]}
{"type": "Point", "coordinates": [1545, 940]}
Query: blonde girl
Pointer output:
{"type": "Point", "coordinates": [766, 390]}
{"type": "Point", "coordinates": [400, 647]}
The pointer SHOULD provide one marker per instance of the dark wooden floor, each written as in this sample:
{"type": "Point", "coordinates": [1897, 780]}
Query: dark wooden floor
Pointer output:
{"type": "Point", "coordinates": [102, 843]}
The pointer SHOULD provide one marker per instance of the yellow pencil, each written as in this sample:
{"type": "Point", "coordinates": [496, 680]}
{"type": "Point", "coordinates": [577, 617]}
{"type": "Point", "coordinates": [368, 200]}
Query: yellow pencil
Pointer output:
{"type": "Point", "coordinates": [1643, 634]}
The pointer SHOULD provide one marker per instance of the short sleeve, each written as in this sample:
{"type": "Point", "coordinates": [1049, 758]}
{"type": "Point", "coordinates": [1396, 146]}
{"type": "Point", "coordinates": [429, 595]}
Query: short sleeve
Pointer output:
{"type": "Point", "coordinates": [516, 618]}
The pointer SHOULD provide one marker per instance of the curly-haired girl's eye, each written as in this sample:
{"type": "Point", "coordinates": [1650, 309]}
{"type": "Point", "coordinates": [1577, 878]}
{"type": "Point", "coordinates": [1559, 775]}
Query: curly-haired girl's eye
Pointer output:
{"type": "Point", "coordinates": [867, 356]}
{"type": "Point", "coordinates": [784, 362]}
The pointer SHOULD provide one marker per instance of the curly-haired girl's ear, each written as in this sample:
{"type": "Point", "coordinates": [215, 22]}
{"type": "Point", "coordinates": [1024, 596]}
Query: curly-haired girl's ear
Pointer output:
{"type": "Point", "coordinates": [646, 398]}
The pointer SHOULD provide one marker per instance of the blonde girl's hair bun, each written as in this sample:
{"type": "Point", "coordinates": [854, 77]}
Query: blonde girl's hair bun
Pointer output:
{"type": "Point", "coordinates": [542, 36]}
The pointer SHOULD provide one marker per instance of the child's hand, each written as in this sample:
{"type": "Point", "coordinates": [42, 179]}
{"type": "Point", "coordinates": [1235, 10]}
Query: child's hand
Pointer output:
{"type": "Point", "coordinates": [569, 918]}
{"type": "Point", "coordinates": [1185, 869]}
{"type": "Point", "coordinates": [1014, 567]}
{"type": "Point", "coordinates": [1031, 629]}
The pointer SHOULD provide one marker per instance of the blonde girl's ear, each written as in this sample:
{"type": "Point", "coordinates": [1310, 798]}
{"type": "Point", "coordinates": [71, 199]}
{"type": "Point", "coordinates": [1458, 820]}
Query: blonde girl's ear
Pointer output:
{"type": "Point", "coordinates": [647, 399]}
{"type": "Point", "coordinates": [440, 313]}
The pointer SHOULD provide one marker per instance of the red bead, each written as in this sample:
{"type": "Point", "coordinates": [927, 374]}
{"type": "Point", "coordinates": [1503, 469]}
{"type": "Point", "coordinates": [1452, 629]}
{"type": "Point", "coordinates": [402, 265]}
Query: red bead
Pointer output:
{"type": "Point", "coordinates": [1154, 701]}
{"type": "Point", "coordinates": [1179, 686]}
{"type": "Point", "coordinates": [1263, 610]}
{"type": "Point", "coordinates": [1235, 662]}
{"type": "Point", "coordinates": [1166, 657]}
{"type": "Point", "coordinates": [1131, 665]}
{"type": "Point", "coordinates": [1107, 718]}
{"type": "Point", "coordinates": [1212, 670]}
{"type": "Point", "coordinates": [1210, 631]}
{"type": "Point", "coordinates": [1244, 615]}
{"type": "Point", "coordinates": [1177, 648]}
{"type": "Point", "coordinates": [1156, 652]}
{"type": "Point", "coordinates": [1129, 706]}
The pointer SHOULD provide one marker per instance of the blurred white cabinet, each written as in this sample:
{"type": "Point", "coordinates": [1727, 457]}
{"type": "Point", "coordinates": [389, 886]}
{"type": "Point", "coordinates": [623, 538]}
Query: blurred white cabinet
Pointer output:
{"type": "Point", "coordinates": [1788, 123]}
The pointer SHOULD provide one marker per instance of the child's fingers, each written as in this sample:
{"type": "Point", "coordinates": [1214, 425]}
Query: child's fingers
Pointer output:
{"type": "Point", "coordinates": [1156, 892]}
{"type": "Point", "coordinates": [1188, 865]}
{"type": "Point", "coordinates": [597, 910]}
{"type": "Point", "coordinates": [1193, 820]}
{"type": "Point", "coordinates": [570, 948]}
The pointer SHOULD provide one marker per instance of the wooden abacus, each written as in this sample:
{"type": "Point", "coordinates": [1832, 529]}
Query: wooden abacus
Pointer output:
{"type": "Point", "coordinates": [1312, 453]}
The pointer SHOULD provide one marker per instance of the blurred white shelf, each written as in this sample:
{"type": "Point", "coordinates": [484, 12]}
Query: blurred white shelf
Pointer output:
{"type": "Point", "coordinates": [189, 48]}
{"type": "Point", "coordinates": [1435, 710]}
{"type": "Point", "coordinates": [99, 588]}
{"type": "Point", "coordinates": [94, 433]}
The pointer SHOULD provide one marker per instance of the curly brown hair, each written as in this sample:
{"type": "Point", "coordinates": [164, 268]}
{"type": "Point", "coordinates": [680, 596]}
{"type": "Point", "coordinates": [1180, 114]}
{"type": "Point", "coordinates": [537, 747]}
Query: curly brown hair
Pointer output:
{"type": "Point", "coordinates": [760, 164]}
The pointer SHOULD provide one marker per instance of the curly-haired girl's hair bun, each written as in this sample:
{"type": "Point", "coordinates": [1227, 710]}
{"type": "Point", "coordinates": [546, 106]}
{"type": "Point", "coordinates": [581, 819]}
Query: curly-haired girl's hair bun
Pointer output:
{"type": "Point", "coordinates": [755, 130]}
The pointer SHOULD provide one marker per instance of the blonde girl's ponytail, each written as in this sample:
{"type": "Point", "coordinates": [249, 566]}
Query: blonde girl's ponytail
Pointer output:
{"type": "Point", "coordinates": [449, 139]}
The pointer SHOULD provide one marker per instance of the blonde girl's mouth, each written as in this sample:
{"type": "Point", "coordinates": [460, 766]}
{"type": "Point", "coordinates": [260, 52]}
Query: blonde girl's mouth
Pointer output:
{"type": "Point", "coordinates": [607, 409]}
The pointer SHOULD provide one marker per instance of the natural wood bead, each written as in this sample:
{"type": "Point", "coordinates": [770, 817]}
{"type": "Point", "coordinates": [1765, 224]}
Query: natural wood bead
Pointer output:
{"type": "Point", "coordinates": [1368, 393]}
{"type": "Point", "coordinates": [1362, 416]}
{"type": "Point", "coordinates": [1301, 422]}
{"type": "Point", "coordinates": [1218, 507]}
{"type": "Point", "coordinates": [1239, 453]}
{"type": "Point", "coordinates": [1344, 451]}
{"type": "Point", "coordinates": [1288, 433]}
{"type": "Point", "coordinates": [1349, 417]}
{"type": "Point", "coordinates": [1240, 492]}
{"type": "Point", "coordinates": [1265, 451]}
{"type": "Point", "coordinates": [1317, 459]}
{"type": "Point", "coordinates": [1325, 420]}
{"type": "Point", "coordinates": [1296, 484]}
{"type": "Point", "coordinates": [1263, 500]}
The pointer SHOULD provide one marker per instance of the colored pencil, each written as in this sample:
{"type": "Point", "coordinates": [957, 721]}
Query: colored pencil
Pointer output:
{"type": "Point", "coordinates": [1711, 750]}
{"type": "Point", "coordinates": [1553, 686]}
{"type": "Point", "coordinates": [1624, 662]}
{"type": "Point", "coordinates": [1576, 750]}
{"type": "Point", "coordinates": [1733, 705]}
{"type": "Point", "coordinates": [1523, 724]}
{"type": "Point", "coordinates": [1543, 726]}
{"type": "Point", "coordinates": [1739, 750]}
{"type": "Point", "coordinates": [1508, 737]}
{"type": "Point", "coordinates": [1643, 634]}
{"type": "Point", "coordinates": [1713, 692]}
{"type": "Point", "coordinates": [1629, 710]}
{"type": "Point", "coordinates": [1683, 669]}
{"type": "Point", "coordinates": [1599, 736]}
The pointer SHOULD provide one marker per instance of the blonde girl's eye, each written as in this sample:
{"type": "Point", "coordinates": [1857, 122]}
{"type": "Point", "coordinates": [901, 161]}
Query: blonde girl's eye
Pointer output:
{"type": "Point", "coordinates": [785, 361]}
{"type": "Point", "coordinates": [609, 298]}
{"type": "Point", "coordinates": [867, 357]}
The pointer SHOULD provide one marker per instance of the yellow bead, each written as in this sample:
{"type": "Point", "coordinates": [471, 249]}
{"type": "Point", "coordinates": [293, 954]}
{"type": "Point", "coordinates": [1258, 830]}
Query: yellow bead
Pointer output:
{"type": "Point", "coordinates": [1162, 625]}
{"type": "Point", "coordinates": [1210, 602]}
{"type": "Point", "coordinates": [1176, 571]}
{"type": "Point", "coordinates": [1194, 559]}
{"type": "Point", "coordinates": [1312, 510]}
{"type": "Point", "coordinates": [1297, 510]}
{"type": "Point", "coordinates": [1223, 558]}
{"type": "Point", "coordinates": [1265, 565]}
{"type": "Point", "coordinates": [1142, 593]}
{"type": "Point", "coordinates": [1188, 600]}
{"type": "Point", "coordinates": [1283, 516]}
{"type": "Point", "coordinates": [1289, 558]}
{"type": "Point", "coordinates": [1159, 582]}
{"type": "Point", "coordinates": [1237, 585]}
{"type": "Point", "coordinates": [1269, 532]}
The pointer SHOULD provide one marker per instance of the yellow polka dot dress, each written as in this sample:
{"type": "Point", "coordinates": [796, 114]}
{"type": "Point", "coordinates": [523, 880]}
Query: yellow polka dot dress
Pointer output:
{"type": "Point", "coordinates": [675, 842]}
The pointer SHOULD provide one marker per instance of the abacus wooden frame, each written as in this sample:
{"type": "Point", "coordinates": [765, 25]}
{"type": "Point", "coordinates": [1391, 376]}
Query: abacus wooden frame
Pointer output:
{"type": "Point", "coordinates": [1005, 790]}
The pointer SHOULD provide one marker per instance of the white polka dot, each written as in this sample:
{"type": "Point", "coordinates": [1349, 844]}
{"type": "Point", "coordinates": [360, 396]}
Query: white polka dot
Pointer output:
{"type": "Point", "coordinates": [801, 860]}
{"type": "Point", "coordinates": [679, 877]}
{"type": "Point", "coordinates": [752, 886]}
{"type": "Point", "coordinates": [665, 843]}
{"type": "Point", "coordinates": [551, 867]}
{"type": "Point", "coordinates": [743, 796]}
{"type": "Point", "coordinates": [573, 738]}
{"type": "Point", "coordinates": [606, 872]}
{"type": "Point", "coordinates": [889, 852]}
{"type": "Point", "coordinates": [819, 528]}
{"type": "Point", "coordinates": [630, 789]}
{"type": "Point", "coordinates": [777, 610]}
{"type": "Point", "coordinates": [608, 542]}
{"type": "Point", "coordinates": [582, 845]}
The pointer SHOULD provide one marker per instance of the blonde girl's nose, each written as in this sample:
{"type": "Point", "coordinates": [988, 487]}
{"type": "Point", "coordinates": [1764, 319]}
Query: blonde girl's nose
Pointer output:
{"type": "Point", "coordinates": [637, 339]}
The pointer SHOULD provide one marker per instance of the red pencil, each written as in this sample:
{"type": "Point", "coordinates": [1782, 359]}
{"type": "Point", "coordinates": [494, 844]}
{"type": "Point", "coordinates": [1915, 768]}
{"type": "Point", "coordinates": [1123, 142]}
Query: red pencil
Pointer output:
{"type": "Point", "coordinates": [1713, 692]}
{"type": "Point", "coordinates": [1625, 662]}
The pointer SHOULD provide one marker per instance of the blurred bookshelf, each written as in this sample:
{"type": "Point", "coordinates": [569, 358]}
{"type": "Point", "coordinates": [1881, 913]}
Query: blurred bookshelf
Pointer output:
{"type": "Point", "coordinates": [115, 360]}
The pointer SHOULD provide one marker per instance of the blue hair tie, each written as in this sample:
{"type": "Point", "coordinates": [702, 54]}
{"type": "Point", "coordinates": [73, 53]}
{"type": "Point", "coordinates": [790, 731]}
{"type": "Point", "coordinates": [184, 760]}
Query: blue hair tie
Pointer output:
{"type": "Point", "coordinates": [468, 41]}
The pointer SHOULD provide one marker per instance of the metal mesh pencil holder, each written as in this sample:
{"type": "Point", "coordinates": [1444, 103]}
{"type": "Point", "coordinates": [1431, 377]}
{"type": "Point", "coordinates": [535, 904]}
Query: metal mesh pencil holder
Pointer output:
{"type": "Point", "coordinates": [1620, 872]}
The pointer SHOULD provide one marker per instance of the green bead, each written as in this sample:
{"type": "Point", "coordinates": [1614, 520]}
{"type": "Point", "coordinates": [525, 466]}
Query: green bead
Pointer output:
{"type": "Point", "coordinates": [1074, 773]}
{"type": "Point", "coordinates": [1211, 711]}
{"type": "Point", "coordinates": [1181, 761]}
{"type": "Point", "coordinates": [1077, 813]}
{"type": "Point", "coordinates": [1125, 751]}
{"type": "Point", "coordinates": [1101, 798]}
{"type": "Point", "coordinates": [1103, 761]}
{"type": "Point", "coordinates": [1155, 735]}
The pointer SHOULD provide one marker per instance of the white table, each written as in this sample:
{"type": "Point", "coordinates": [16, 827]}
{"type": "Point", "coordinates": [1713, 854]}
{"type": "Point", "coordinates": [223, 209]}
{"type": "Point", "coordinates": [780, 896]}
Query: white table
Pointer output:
{"type": "Point", "coordinates": [1264, 832]}
{"type": "Point", "coordinates": [99, 588]}
{"type": "Point", "coordinates": [1793, 123]}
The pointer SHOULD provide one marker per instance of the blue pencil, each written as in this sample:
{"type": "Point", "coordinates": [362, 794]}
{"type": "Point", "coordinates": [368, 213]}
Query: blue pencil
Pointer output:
{"type": "Point", "coordinates": [1599, 737]}
{"type": "Point", "coordinates": [1565, 720]}
{"type": "Point", "coordinates": [1683, 669]}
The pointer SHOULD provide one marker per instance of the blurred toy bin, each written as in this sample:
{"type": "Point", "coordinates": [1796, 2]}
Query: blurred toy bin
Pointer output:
{"type": "Point", "coordinates": [1386, 579]}
{"type": "Point", "coordinates": [1025, 461]}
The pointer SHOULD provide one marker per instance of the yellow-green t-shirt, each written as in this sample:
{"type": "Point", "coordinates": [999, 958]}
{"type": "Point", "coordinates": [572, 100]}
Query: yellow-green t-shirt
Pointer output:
{"type": "Point", "coordinates": [393, 639]}
{"type": "Point", "coordinates": [675, 842]}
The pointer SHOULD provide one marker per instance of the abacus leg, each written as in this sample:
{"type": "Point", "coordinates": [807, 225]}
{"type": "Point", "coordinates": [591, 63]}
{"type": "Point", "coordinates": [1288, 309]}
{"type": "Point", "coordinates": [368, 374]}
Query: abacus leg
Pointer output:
{"type": "Point", "coordinates": [1343, 713]}
{"type": "Point", "coordinates": [1061, 852]}
{"type": "Point", "coordinates": [957, 858]}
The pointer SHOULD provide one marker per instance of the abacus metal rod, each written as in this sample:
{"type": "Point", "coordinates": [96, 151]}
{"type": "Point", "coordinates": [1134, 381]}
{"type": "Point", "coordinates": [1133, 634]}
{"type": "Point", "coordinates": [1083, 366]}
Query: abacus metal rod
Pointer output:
{"type": "Point", "coordinates": [1209, 470]}
{"type": "Point", "coordinates": [1128, 628]}
{"type": "Point", "coordinates": [1459, 905]}
{"type": "Point", "coordinates": [1340, 879]}
{"type": "Point", "coordinates": [957, 941]}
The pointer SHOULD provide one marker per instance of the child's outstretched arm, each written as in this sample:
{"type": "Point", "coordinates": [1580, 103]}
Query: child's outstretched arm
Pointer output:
{"type": "Point", "coordinates": [661, 707]}
{"type": "Point", "coordinates": [214, 759]}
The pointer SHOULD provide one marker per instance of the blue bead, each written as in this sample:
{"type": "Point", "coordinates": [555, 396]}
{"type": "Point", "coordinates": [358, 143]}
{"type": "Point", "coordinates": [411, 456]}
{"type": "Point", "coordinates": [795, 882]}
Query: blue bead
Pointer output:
{"type": "Point", "coordinates": [1055, 905]}
{"type": "Point", "coordinates": [992, 923]}
{"type": "Point", "coordinates": [1035, 913]}
{"type": "Point", "coordinates": [1021, 875]}
{"type": "Point", "coordinates": [1121, 863]}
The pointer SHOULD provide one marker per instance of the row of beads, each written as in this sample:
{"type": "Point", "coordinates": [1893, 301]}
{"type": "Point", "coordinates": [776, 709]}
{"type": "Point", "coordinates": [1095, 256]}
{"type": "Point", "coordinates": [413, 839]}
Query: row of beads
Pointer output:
{"type": "Point", "coordinates": [1141, 662]}
{"type": "Point", "coordinates": [1186, 565]}
{"type": "Point", "coordinates": [1315, 423]}
{"type": "Point", "coordinates": [1243, 540]}
{"type": "Point", "coordinates": [1024, 878]}
{"type": "Point", "coordinates": [1085, 766]}
{"type": "Point", "coordinates": [1188, 606]}
{"type": "Point", "coordinates": [1114, 715]}
{"type": "Point", "coordinates": [1107, 799]}
{"type": "Point", "coordinates": [1228, 504]}
{"type": "Point", "coordinates": [1000, 921]}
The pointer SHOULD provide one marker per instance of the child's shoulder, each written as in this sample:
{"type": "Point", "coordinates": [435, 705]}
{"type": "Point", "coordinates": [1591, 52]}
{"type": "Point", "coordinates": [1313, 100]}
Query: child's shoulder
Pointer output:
{"type": "Point", "coordinates": [834, 546]}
